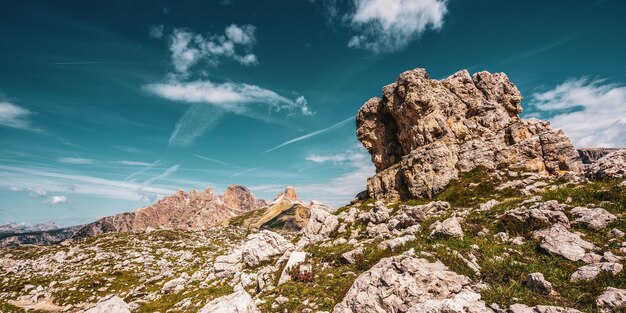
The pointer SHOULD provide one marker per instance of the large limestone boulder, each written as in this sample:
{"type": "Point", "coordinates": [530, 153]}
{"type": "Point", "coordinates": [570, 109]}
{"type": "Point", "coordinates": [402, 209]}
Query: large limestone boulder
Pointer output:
{"type": "Point", "coordinates": [262, 246]}
{"type": "Point", "coordinates": [112, 304]}
{"type": "Point", "coordinates": [558, 240]}
{"type": "Point", "coordinates": [321, 224]}
{"type": "Point", "coordinates": [425, 132]}
{"type": "Point", "coordinates": [406, 283]}
{"type": "Point", "coordinates": [238, 302]}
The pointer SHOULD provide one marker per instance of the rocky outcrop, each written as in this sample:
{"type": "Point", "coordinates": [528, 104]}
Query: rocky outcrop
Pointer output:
{"type": "Point", "coordinates": [406, 283]}
{"type": "Point", "coordinates": [612, 165]}
{"type": "Point", "coordinates": [424, 132]}
{"type": "Point", "coordinates": [591, 155]}
{"type": "Point", "coordinates": [117, 223]}
{"type": "Point", "coordinates": [278, 208]}
{"type": "Point", "coordinates": [260, 247]}
{"type": "Point", "coordinates": [197, 209]}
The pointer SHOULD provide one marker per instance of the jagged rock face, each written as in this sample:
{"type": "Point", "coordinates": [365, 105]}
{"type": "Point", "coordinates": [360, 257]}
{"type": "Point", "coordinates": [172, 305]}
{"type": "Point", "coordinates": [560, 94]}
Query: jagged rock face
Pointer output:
{"type": "Point", "coordinates": [591, 155]}
{"type": "Point", "coordinates": [117, 223]}
{"type": "Point", "coordinates": [196, 209]}
{"type": "Point", "coordinates": [424, 132]}
{"type": "Point", "coordinates": [612, 165]}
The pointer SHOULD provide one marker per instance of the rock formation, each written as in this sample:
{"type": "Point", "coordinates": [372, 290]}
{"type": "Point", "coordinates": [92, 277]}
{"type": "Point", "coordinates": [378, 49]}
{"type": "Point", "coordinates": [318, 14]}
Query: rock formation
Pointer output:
{"type": "Point", "coordinates": [424, 132]}
{"type": "Point", "coordinates": [612, 165]}
{"type": "Point", "coordinates": [591, 155]}
{"type": "Point", "coordinates": [196, 209]}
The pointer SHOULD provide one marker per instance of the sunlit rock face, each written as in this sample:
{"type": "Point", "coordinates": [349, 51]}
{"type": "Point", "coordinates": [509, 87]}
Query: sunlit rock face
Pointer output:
{"type": "Point", "coordinates": [423, 132]}
{"type": "Point", "coordinates": [197, 209]}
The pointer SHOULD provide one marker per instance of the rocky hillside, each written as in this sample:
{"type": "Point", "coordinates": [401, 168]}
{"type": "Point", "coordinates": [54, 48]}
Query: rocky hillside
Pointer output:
{"type": "Point", "coordinates": [196, 209]}
{"type": "Point", "coordinates": [472, 209]}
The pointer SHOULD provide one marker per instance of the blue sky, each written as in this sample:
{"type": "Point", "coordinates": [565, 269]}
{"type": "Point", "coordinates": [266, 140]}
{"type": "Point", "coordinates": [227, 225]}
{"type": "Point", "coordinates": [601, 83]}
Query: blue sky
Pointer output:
{"type": "Point", "coordinates": [106, 106]}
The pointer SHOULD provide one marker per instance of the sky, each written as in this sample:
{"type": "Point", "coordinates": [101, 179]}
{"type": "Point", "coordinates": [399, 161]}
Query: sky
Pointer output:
{"type": "Point", "coordinates": [106, 106]}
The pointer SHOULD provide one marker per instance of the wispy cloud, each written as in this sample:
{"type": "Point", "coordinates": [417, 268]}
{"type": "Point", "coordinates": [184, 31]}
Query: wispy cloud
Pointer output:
{"type": "Point", "coordinates": [341, 189]}
{"type": "Point", "coordinates": [62, 181]}
{"type": "Point", "coordinates": [56, 200]}
{"type": "Point", "coordinates": [156, 31]}
{"type": "Point", "coordinates": [142, 171]}
{"type": "Point", "coordinates": [12, 115]}
{"type": "Point", "coordinates": [592, 112]}
{"type": "Point", "coordinates": [229, 97]}
{"type": "Point", "coordinates": [309, 135]}
{"type": "Point", "coordinates": [212, 100]}
{"type": "Point", "coordinates": [243, 172]}
{"type": "Point", "coordinates": [390, 25]}
{"type": "Point", "coordinates": [77, 161]}
{"type": "Point", "coordinates": [131, 163]}
{"type": "Point", "coordinates": [33, 192]}
{"type": "Point", "coordinates": [201, 157]}
{"type": "Point", "coordinates": [128, 149]}
{"type": "Point", "coordinates": [163, 175]}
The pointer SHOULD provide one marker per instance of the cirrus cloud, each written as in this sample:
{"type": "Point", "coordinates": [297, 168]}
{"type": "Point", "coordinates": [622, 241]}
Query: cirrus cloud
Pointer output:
{"type": "Point", "coordinates": [592, 112]}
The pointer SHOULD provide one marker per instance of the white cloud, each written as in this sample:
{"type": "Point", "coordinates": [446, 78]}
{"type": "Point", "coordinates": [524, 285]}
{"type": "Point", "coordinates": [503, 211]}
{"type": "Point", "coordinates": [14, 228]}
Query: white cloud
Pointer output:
{"type": "Point", "coordinates": [14, 116]}
{"type": "Point", "coordinates": [592, 113]}
{"type": "Point", "coordinates": [77, 161]}
{"type": "Point", "coordinates": [189, 49]}
{"type": "Point", "coordinates": [33, 192]}
{"type": "Point", "coordinates": [243, 35]}
{"type": "Point", "coordinates": [309, 135]}
{"type": "Point", "coordinates": [156, 31]}
{"type": "Point", "coordinates": [212, 100]}
{"type": "Point", "coordinates": [56, 200]}
{"type": "Point", "coordinates": [230, 97]}
{"type": "Point", "coordinates": [55, 181]}
{"type": "Point", "coordinates": [390, 25]}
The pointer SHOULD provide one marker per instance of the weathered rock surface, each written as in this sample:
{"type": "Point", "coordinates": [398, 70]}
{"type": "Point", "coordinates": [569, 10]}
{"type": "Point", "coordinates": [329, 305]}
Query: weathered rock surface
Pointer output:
{"type": "Point", "coordinates": [399, 283]}
{"type": "Point", "coordinates": [612, 300]}
{"type": "Point", "coordinates": [238, 302]}
{"type": "Point", "coordinates": [110, 305]}
{"type": "Point", "coordinates": [450, 227]}
{"type": "Point", "coordinates": [424, 132]}
{"type": "Point", "coordinates": [320, 225]}
{"type": "Point", "coordinates": [558, 240]}
{"type": "Point", "coordinates": [117, 223]}
{"type": "Point", "coordinates": [538, 282]}
{"type": "Point", "coordinates": [612, 165]}
{"type": "Point", "coordinates": [589, 272]}
{"type": "Point", "coordinates": [591, 155]}
{"type": "Point", "coordinates": [521, 308]}
{"type": "Point", "coordinates": [596, 218]}
{"type": "Point", "coordinates": [542, 213]}
{"type": "Point", "coordinates": [196, 209]}
{"type": "Point", "coordinates": [262, 246]}
{"type": "Point", "coordinates": [294, 258]}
